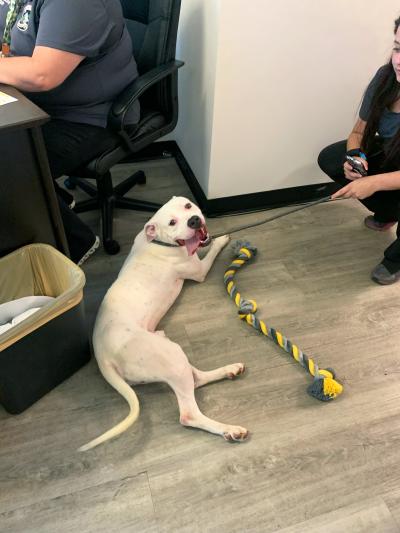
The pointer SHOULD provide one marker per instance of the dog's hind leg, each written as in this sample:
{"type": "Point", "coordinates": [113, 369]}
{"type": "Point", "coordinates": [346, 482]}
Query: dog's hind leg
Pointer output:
{"type": "Point", "coordinates": [225, 372]}
{"type": "Point", "coordinates": [181, 380]}
{"type": "Point", "coordinates": [160, 359]}
{"type": "Point", "coordinates": [190, 415]}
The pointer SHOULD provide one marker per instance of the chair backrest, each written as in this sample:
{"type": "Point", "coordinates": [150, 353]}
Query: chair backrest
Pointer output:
{"type": "Point", "coordinates": [153, 26]}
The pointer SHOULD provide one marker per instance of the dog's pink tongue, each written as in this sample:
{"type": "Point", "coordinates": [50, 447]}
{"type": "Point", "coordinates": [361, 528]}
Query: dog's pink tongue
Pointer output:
{"type": "Point", "coordinates": [192, 244]}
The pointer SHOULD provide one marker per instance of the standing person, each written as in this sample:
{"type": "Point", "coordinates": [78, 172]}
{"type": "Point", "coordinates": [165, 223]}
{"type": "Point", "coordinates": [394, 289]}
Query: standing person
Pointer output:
{"type": "Point", "coordinates": [375, 141]}
{"type": "Point", "coordinates": [72, 58]}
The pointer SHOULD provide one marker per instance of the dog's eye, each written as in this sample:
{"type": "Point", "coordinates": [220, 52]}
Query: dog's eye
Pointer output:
{"type": "Point", "coordinates": [172, 222]}
{"type": "Point", "coordinates": [188, 206]}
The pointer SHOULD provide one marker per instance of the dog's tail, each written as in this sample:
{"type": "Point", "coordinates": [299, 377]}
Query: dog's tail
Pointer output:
{"type": "Point", "coordinates": [112, 376]}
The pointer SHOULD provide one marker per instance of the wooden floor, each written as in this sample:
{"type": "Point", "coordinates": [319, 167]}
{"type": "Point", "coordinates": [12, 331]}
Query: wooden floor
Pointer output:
{"type": "Point", "coordinates": [308, 466]}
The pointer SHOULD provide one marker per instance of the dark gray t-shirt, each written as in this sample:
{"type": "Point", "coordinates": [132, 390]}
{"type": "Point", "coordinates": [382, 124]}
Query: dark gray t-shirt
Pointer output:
{"type": "Point", "coordinates": [389, 123]}
{"type": "Point", "coordinates": [91, 28]}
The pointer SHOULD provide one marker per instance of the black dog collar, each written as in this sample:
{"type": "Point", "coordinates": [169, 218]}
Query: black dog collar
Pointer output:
{"type": "Point", "coordinates": [161, 243]}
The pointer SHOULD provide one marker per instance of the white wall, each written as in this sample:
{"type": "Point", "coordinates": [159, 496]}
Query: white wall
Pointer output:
{"type": "Point", "coordinates": [198, 46]}
{"type": "Point", "coordinates": [267, 84]}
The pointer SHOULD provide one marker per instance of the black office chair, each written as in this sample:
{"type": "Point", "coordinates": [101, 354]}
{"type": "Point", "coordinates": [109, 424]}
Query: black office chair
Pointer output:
{"type": "Point", "coordinates": [153, 25]}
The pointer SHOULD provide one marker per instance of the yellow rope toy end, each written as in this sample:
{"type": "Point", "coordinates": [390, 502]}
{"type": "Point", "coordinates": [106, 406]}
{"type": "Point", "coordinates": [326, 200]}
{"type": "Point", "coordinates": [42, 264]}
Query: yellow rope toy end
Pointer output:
{"type": "Point", "coordinates": [324, 386]}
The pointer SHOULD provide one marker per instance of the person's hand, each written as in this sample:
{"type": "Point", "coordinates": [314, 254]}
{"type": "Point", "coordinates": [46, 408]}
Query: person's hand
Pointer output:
{"type": "Point", "coordinates": [358, 189]}
{"type": "Point", "coordinates": [353, 174]}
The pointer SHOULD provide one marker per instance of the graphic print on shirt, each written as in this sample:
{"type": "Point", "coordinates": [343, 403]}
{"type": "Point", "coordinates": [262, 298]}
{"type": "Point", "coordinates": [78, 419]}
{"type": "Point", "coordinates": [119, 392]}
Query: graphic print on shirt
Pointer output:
{"type": "Point", "coordinates": [23, 21]}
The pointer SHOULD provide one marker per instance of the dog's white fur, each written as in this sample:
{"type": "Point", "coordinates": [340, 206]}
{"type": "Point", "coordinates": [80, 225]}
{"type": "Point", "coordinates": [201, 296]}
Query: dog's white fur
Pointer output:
{"type": "Point", "coordinates": [127, 346]}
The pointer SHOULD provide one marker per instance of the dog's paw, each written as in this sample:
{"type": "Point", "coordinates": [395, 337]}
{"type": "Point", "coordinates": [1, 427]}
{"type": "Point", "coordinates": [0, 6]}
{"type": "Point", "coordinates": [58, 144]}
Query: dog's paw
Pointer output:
{"type": "Point", "coordinates": [235, 434]}
{"type": "Point", "coordinates": [222, 241]}
{"type": "Point", "coordinates": [235, 370]}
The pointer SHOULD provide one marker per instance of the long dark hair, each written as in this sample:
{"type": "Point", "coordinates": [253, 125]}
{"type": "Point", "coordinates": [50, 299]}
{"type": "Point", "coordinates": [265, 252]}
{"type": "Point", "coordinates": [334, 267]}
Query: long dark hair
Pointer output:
{"type": "Point", "coordinates": [387, 92]}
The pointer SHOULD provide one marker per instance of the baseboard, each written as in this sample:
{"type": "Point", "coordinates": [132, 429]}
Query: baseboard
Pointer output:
{"type": "Point", "coordinates": [241, 203]}
{"type": "Point", "coordinates": [269, 199]}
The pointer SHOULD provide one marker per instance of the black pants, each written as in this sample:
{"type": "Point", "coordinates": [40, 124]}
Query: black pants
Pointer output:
{"type": "Point", "coordinates": [385, 205]}
{"type": "Point", "coordinates": [70, 145]}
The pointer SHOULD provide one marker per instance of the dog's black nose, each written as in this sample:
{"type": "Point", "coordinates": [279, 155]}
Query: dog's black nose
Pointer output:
{"type": "Point", "coordinates": [194, 222]}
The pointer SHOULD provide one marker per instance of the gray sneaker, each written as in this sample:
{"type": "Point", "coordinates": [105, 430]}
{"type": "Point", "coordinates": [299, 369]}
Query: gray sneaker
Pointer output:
{"type": "Point", "coordinates": [381, 275]}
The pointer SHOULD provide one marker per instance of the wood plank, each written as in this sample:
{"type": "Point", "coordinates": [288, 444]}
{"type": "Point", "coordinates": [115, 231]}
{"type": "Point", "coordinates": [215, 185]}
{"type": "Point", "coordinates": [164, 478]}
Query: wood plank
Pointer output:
{"type": "Point", "coordinates": [371, 516]}
{"type": "Point", "coordinates": [392, 500]}
{"type": "Point", "coordinates": [120, 506]}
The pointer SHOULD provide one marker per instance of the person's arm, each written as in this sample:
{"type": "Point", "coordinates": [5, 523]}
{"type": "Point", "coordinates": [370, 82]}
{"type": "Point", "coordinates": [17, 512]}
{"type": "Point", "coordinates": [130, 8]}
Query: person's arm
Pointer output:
{"type": "Point", "coordinates": [365, 187]}
{"type": "Point", "coordinates": [45, 70]}
{"type": "Point", "coordinates": [354, 143]}
{"type": "Point", "coordinates": [368, 185]}
{"type": "Point", "coordinates": [389, 181]}
{"type": "Point", "coordinates": [355, 137]}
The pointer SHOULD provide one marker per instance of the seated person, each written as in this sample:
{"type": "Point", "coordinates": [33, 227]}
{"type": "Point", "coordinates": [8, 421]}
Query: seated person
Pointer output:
{"type": "Point", "coordinates": [375, 141]}
{"type": "Point", "coordinates": [71, 58]}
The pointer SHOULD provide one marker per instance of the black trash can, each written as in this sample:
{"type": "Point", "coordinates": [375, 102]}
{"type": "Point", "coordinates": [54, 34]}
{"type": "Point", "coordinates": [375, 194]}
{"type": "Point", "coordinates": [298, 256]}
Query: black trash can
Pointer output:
{"type": "Point", "coordinates": [49, 346]}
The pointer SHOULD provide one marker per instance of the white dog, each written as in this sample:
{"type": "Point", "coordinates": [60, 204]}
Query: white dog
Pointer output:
{"type": "Point", "coordinates": [127, 346]}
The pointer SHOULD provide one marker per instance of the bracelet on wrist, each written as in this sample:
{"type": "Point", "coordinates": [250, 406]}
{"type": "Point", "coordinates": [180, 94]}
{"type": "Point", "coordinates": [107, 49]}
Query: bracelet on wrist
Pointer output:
{"type": "Point", "coordinates": [356, 152]}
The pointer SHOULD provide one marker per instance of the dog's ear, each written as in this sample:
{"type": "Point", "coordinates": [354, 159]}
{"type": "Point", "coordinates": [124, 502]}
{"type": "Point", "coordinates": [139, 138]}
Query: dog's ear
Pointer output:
{"type": "Point", "coordinates": [150, 231]}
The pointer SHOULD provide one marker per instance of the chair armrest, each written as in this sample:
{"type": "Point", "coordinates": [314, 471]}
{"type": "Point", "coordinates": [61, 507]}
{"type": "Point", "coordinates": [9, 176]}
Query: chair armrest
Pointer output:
{"type": "Point", "coordinates": [128, 96]}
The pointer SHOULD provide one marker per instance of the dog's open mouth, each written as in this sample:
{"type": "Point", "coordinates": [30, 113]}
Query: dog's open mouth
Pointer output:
{"type": "Point", "coordinates": [200, 238]}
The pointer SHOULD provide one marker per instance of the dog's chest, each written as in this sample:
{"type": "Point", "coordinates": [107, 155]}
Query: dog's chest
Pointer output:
{"type": "Point", "coordinates": [147, 296]}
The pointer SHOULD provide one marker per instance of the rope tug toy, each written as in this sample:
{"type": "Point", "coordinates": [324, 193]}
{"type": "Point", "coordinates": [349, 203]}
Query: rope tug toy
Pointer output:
{"type": "Point", "coordinates": [324, 386]}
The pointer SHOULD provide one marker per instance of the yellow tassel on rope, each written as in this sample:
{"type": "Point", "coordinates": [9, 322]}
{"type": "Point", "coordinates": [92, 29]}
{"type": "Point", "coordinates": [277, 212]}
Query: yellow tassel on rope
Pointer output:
{"type": "Point", "coordinates": [332, 388]}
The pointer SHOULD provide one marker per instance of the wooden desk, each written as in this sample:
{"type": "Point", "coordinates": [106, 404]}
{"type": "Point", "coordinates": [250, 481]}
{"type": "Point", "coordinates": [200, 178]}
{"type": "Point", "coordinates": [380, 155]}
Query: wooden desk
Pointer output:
{"type": "Point", "coordinates": [28, 204]}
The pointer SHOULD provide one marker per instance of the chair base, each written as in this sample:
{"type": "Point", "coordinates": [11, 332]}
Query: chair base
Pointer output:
{"type": "Point", "coordinates": [106, 197]}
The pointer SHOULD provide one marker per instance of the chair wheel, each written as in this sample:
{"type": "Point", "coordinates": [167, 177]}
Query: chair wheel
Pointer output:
{"type": "Point", "coordinates": [70, 183]}
{"type": "Point", "coordinates": [111, 247]}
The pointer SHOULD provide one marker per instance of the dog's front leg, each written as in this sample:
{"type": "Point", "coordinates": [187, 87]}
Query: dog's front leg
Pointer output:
{"type": "Point", "coordinates": [199, 268]}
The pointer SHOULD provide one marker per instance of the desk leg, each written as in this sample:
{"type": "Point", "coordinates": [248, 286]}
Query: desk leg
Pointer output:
{"type": "Point", "coordinates": [49, 190]}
